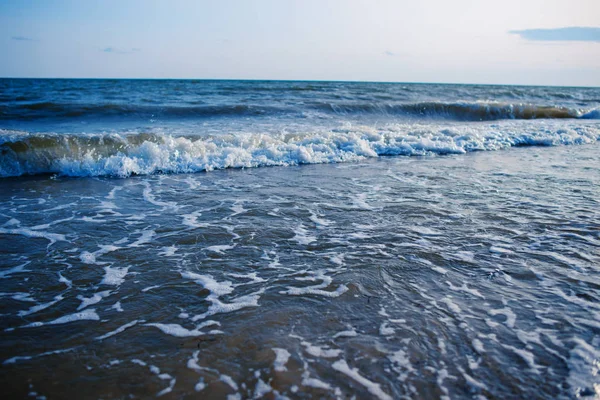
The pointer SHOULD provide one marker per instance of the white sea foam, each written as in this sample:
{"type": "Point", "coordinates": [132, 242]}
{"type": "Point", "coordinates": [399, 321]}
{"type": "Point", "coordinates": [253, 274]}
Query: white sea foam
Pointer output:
{"type": "Point", "coordinates": [584, 367]}
{"type": "Point", "coordinates": [30, 233]}
{"type": "Point", "coordinates": [117, 307]}
{"type": "Point", "coordinates": [179, 331]}
{"type": "Point", "coordinates": [119, 329]}
{"type": "Point", "coordinates": [245, 150]}
{"type": "Point", "coordinates": [385, 330]}
{"type": "Point", "coordinates": [439, 270]}
{"type": "Point", "coordinates": [348, 333]}
{"type": "Point", "coordinates": [168, 251]}
{"type": "Point", "coordinates": [41, 307]}
{"type": "Point", "coordinates": [200, 386]}
{"type": "Point", "coordinates": [78, 316]}
{"type": "Point", "coordinates": [452, 306]}
{"type": "Point", "coordinates": [261, 389]}
{"type": "Point", "coordinates": [90, 258]}
{"type": "Point", "coordinates": [220, 249]}
{"type": "Point", "coordinates": [87, 258]}
{"type": "Point", "coordinates": [64, 280]}
{"type": "Point", "coordinates": [191, 220]}
{"type": "Point", "coordinates": [337, 259]}
{"type": "Point", "coordinates": [93, 220]}
{"type": "Point", "coordinates": [114, 276]}
{"type": "Point", "coordinates": [319, 221]}
{"type": "Point", "coordinates": [500, 250]}
{"type": "Point", "coordinates": [12, 222]}
{"type": "Point", "coordinates": [229, 381]}
{"type": "Point", "coordinates": [474, 383]}
{"type": "Point", "coordinates": [20, 296]}
{"type": "Point", "coordinates": [168, 389]}
{"type": "Point", "coordinates": [149, 196]}
{"type": "Point", "coordinates": [422, 230]}
{"type": "Point", "coordinates": [316, 289]}
{"type": "Point", "coordinates": [208, 282]}
{"type": "Point", "coordinates": [156, 371]}
{"type": "Point", "coordinates": [218, 307]}
{"type": "Point", "coordinates": [360, 202]}
{"type": "Point", "coordinates": [108, 207]}
{"type": "Point", "coordinates": [465, 288]}
{"type": "Point", "coordinates": [145, 237]}
{"type": "Point", "coordinates": [237, 209]}
{"type": "Point", "coordinates": [254, 278]}
{"type": "Point", "coordinates": [14, 270]}
{"type": "Point", "coordinates": [508, 313]}
{"type": "Point", "coordinates": [372, 387]}
{"type": "Point", "coordinates": [302, 236]}
{"type": "Point", "coordinates": [218, 289]}
{"type": "Point", "coordinates": [320, 351]}
{"type": "Point", "coordinates": [48, 353]}
{"type": "Point", "coordinates": [478, 346]}
{"type": "Point", "coordinates": [401, 363]}
{"type": "Point", "coordinates": [148, 288]}
{"type": "Point", "coordinates": [526, 355]}
{"type": "Point", "coordinates": [281, 358]}
{"type": "Point", "coordinates": [307, 380]}
{"type": "Point", "coordinates": [96, 297]}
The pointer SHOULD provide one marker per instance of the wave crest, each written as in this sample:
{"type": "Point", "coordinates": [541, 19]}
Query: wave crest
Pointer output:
{"type": "Point", "coordinates": [477, 111]}
{"type": "Point", "coordinates": [461, 111]}
{"type": "Point", "coordinates": [52, 110]}
{"type": "Point", "coordinates": [148, 153]}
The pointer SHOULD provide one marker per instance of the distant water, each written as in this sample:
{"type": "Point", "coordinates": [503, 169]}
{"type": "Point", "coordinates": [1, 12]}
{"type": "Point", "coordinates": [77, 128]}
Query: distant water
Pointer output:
{"type": "Point", "coordinates": [462, 267]}
{"type": "Point", "coordinates": [125, 127]}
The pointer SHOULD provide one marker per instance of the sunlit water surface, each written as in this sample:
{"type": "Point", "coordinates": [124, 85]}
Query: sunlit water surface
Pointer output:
{"type": "Point", "coordinates": [462, 276]}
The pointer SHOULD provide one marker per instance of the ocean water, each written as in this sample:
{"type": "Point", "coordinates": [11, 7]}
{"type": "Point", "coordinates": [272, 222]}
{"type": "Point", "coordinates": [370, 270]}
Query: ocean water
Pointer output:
{"type": "Point", "coordinates": [407, 241]}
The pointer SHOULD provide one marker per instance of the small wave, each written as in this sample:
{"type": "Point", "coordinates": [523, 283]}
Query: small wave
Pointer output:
{"type": "Point", "coordinates": [460, 111]}
{"type": "Point", "coordinates": [52, 110]}
{"type": "Point", "coordinates": [477, 111]}
{"type": "Point", "coordinates": [148, 153]}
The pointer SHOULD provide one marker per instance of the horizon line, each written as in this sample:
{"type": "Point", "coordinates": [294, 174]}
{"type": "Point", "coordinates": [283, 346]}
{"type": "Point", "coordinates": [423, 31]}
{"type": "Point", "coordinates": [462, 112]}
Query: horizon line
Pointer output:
{"type": "Point", "coordinates": [303, 80]}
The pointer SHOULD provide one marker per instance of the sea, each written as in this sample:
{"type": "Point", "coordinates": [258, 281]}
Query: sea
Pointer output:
{"type": "Point", "coordinates": [221, 239]}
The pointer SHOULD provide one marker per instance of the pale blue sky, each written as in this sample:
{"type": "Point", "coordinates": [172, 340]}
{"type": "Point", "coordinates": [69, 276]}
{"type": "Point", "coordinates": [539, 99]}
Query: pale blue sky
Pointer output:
{"type": "Point", "coordinates": [512, 41]}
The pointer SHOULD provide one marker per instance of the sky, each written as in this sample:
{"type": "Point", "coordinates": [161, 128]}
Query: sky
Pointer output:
{"type": "Point", "coordinates": [532, 42]}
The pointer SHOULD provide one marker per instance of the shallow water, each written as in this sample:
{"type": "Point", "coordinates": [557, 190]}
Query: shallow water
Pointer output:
{"type": "Point", "coordinates": [458, 276]}
{"type": "Point", "coordinates": [466, 266]}
{"type": "Point", "coordinates": [79, 127]}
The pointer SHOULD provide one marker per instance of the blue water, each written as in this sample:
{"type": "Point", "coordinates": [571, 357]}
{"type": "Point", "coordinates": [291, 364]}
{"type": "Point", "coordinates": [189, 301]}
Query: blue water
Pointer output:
{"type": "Point", "coordinates": [410, 241]}
{"type": "Point", "coordinates": [124, 127]}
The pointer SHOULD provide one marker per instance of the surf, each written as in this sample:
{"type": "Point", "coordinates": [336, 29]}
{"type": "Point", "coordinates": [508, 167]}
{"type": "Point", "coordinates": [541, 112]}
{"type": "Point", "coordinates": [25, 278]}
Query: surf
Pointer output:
{"type": "Point", "coordinates": [123, 155]}
{"type": "Point", "coordinates": [459, 111]}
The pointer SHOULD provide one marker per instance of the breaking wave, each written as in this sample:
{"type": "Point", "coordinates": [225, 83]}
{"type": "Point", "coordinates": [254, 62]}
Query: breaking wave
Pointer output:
{"type": "Point", "coordinates": [461, 111]}
{"type": "Point", "coordinates": [121, 155]}
{"type": "Point", "coordinates": [478, 111]}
